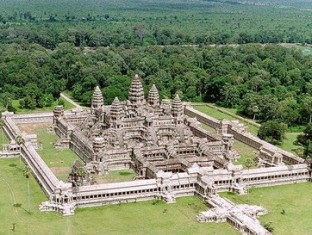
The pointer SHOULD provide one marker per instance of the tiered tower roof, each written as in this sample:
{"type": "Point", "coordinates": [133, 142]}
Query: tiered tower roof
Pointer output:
{"type": "Point", "coordinates": [97, 98]}
{"type": "Point", "coordinates": [136, 93]}
{"type": "Point", "coordinates": [177, 106]}
{"type": "Point", "coordinates": [116, 109]}
{"type": "Point", "coordinates": [153, 96]}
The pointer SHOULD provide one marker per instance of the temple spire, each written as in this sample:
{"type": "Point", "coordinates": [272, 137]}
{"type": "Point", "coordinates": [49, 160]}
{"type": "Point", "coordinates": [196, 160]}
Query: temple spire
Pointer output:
{"type": "Point", "coordinates": [97, 99]}
{"type": "Point", "coordinates": [153, 96]}
{"type": "Point", "coordinates": [136, 93]}
{"type": "Point", "coordinates": [116, 109]}
{"type": "Point", "coordinates": [177, 106]}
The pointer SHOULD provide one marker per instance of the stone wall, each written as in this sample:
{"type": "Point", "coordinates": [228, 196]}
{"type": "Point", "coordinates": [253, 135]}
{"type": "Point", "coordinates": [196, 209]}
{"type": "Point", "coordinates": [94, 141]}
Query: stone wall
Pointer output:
{"type": "Point", "coordinates": [81, 146]}
{"type": "Point", "coordinates": [210, 121]}
{"type": "Point", "coordinates": [40, 170]}
{"type": "Point", "coordinates": [33, 118]}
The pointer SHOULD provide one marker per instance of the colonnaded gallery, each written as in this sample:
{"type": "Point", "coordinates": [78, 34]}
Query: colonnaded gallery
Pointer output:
{"type": "Point", "coordinates": [170, 146]}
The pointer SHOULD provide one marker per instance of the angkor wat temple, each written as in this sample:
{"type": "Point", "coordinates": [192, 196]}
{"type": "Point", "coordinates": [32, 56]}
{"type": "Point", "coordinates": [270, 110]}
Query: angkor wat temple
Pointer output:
{"type": "Point", "coordinates": [174, 149]}
{"type": "Point", "coordinates": [145, 135]}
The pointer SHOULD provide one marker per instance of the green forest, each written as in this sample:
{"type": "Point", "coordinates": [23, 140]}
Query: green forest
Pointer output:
{"type": "Point", "coordinates": [237, 54]}
{"type": "Point", "coordinates": [96, 23]}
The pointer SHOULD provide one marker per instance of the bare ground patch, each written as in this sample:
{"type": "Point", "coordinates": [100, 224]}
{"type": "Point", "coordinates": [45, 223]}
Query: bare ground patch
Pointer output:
{"type": "Point", "coordinates": [32, 128]}
{"type": "Point", "coordinates": [61, 172]}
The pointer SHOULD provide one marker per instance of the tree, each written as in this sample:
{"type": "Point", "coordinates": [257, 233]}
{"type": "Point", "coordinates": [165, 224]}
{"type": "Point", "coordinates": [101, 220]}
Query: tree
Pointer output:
{"type": "Point", "coordinates": [255, 110]}
{"type": "Point", "coordinates": [27, 174]}
{"type": "Point", "coordinates": [264, 106]}
{"type": "Point", "coordinates": [19, 140]}
{"type": "Point", "coordinates": [248, 164]}
{"type": "Point", "coordinates": [272, 131]}
{"type": "Point", "coordinates": [306, 141]}
{"type": "Point", "coordinates": [81, 173]}
{"type": "Point", "coordinates": [288, 111]}
{"type": "Point", "coordinates": [6, 100]}
{"type": "Point", "coordinates": [307, 106]}
{"type": "Point", "coordinates": [268, 226]}
{"type": "Point", "coordinates": [215, 87]}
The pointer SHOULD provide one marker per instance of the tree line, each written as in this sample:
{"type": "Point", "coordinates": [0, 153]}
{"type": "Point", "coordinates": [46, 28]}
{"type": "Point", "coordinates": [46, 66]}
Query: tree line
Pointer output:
{"type": "Point", "coordinates": [264, 83]}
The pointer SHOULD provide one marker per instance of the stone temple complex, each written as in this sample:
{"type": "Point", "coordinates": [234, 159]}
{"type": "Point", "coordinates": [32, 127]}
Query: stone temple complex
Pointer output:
{"type": "Point", "coordinates": [145, 135]}
{"type": "Point", "coordinates": [165, 143]}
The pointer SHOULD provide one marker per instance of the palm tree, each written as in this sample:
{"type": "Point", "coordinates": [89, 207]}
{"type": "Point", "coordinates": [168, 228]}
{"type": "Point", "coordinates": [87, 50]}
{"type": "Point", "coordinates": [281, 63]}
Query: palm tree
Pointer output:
{"type": "Point", "coordinates": [26, 174]}
{"type": "Point", "coordinates": [19, 140]}
{"type": "Point", "coordinates": [248, 164]}
{"type": "Point", "coordinates": [255, 110]}
{"type": "Point", "coordinates": [81, 173]}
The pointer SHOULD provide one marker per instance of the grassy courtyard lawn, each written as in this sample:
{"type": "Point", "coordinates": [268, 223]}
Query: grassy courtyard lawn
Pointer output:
{"type": "Point", "coordinates": [133, 218]}
{"type": "Point", "coordinates": [54, 157]}
{"type": "Point", "coordinates": [58, 160]}
{"type": "Point", "coordinates": [16, 106]}
{"type": "Point", "coordinates": [294, 199]}
{"type": "Point", "coordinates": [208, 128]}
{"type": "Point", "coordinates": [212, 112]}
{"type": "Point", "coordinates": [116, 176]}
{"type": "Point", "coordinates": [245, 152]}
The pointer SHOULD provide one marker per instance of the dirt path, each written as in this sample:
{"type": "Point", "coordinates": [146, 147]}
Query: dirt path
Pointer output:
{"type": "Point", "coordinates": [70, 101]}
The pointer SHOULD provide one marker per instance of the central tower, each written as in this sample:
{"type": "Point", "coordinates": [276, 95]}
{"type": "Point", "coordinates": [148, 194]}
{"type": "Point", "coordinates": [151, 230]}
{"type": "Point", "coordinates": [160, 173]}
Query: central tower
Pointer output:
{"type": "Point", "coordinates": [136, 93]}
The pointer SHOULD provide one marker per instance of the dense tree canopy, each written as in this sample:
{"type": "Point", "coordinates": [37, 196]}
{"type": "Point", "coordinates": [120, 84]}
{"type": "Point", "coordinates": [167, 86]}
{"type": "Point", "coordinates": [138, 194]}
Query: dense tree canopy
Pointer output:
{"type": "Point", "coordinates": [272, 131]}
{"type": "Point", "coordinates": [97, 23]}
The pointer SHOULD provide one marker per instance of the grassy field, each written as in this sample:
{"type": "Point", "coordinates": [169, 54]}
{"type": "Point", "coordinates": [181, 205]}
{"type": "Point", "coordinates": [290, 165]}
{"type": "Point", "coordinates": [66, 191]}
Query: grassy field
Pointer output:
{"type": "Point", "coordinates": [295, 199]}
{"type": "Point", "coordinates": [69, 95]}
{"type": "Point", "coordinates": [133, 218]}
{"type": "Point", "coordinates": [116, 176]}
{"type": "Point", "coordinates": [18, 109]}
{"type": "Point", "coordinates": [3, 138]}
{"type": "Point", "coordinates": [143, 217]}
{"type": "Point", "coordinates": [288, 142]}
